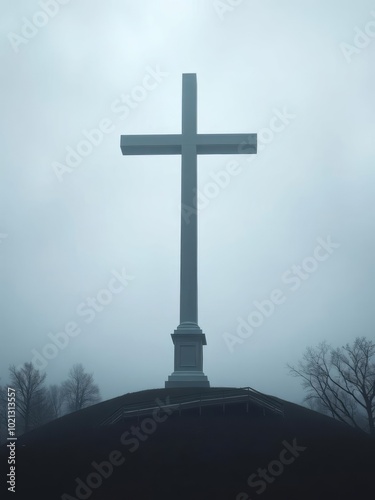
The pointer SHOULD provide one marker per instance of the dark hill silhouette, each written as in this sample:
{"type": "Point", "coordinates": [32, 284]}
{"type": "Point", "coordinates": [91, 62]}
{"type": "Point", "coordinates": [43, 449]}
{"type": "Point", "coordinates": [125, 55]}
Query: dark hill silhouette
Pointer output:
{"type": "Point", "coordinates": [199, 451]}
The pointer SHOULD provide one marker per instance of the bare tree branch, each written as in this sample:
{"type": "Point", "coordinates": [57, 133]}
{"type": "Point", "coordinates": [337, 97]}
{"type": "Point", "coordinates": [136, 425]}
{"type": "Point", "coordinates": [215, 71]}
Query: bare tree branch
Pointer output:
{"type": "Point", "coordinates": [30, 395]}
{"type": "Point", "coordinates": [340, 381]}
{"type": "Point", "coordinates": [80, 390]}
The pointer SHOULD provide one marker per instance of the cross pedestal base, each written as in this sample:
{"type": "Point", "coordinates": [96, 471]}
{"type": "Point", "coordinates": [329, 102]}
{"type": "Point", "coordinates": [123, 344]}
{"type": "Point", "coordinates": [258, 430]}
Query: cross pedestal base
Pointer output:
{"type": "Point", "coordinates": [188, 342]}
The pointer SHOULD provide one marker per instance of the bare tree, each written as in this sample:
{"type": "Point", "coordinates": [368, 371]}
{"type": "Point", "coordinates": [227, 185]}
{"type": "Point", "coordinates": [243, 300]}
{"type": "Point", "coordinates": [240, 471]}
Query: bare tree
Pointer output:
{"type": "Point", "coordinates": [30, 395]}
{"type": "Point", "coordinates": [3, 414]}
{"type": "Point", "coordinates": [56, 399]}
{"type": "Point", "coordinates": [80, 390]}
{"type": "Point", "coordinates": [341, 382]}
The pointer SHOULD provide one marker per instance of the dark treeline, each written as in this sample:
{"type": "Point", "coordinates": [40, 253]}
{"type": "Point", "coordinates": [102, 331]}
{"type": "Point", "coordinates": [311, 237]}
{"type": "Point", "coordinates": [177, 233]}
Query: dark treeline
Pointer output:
{"type": "Point", "coordinates": [36, 403]}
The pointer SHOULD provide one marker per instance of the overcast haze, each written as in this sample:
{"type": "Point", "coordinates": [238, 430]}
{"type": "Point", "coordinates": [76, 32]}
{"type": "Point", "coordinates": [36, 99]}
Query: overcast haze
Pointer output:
{"type": "Point", "coordinates": [276, 68]}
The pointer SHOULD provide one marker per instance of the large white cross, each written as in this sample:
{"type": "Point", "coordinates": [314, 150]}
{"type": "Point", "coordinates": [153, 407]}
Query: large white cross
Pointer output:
{"type": "Point", "coordinates": [188, 338]}
{"type": "Point", "coordinates": [189, 144]}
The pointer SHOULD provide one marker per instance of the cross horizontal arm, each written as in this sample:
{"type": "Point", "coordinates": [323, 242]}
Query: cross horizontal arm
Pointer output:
{"type": "Point", "coordinates": [151, 144]}
{"type": "Point", "coordinates": [206, 144]}
{"type": "Point", "coordinates": [221, 144]}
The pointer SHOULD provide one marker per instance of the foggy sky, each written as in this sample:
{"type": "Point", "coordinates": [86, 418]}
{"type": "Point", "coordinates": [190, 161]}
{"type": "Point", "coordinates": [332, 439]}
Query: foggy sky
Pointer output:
{"type": "Point", "coordinates": [279, 69]}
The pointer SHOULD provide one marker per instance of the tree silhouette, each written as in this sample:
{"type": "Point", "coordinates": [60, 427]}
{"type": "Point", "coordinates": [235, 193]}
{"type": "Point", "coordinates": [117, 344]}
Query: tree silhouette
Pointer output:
{"type": "Point", "coordinates": [30, 395]}
{"type": "Point", "coordinates": [3, 414]}
{"type": "Point", "coordinates": [80, 390]}
{"type": "Point", "coordinates": [56, 399]}
{"type": "Point", "coordinates": [341, 382]}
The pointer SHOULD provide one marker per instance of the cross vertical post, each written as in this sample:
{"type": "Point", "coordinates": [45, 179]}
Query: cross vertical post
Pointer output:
{"type": "Point", "coordinates": [189, 226]}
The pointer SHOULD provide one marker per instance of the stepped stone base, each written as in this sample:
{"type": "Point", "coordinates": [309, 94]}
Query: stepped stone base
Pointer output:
{"type": "Point", "coordinates": [187, 379]}
{"type": "Point", "coordinates": [188, 342]}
